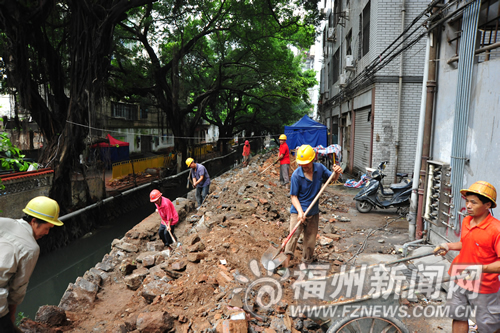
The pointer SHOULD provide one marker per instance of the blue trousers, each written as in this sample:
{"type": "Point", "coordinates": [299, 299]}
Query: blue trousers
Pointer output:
{"type": "Point", "coordinates": [201, 193]}
{"type": "Point", "coordinates": [165, 236]}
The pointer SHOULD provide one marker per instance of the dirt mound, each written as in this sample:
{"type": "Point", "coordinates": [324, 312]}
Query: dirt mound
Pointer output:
{"type": "Point", "coordinates": [213, 277]}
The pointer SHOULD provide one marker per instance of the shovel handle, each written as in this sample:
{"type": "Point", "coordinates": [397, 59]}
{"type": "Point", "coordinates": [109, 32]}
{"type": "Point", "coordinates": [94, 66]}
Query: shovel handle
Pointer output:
{"type": "Point", "coordinates": [173, 238]}
{"type": "Point", "coordinates": [305, 214]}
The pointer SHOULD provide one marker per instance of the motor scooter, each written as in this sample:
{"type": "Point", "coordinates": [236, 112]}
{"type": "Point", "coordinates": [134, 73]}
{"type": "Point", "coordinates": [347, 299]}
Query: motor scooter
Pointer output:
{"type": "Point", "coordinates": [374, 194]}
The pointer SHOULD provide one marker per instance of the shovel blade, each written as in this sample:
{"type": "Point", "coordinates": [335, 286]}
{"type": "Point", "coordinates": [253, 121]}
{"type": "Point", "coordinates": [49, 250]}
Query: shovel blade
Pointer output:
{"type": "Point", "coordinates": [267, 258]}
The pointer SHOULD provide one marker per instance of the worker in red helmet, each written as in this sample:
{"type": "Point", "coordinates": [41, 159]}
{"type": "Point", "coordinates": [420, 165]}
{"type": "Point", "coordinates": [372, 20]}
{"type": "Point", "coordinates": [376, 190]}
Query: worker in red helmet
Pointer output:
{"type": "Point", "coordinates": [168, 215]}
{"type": "Point", "coordinates": [246, 153]}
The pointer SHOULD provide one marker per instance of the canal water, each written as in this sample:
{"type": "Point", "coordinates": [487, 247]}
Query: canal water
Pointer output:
{"type": "Point", "coordinates": [55, 270]}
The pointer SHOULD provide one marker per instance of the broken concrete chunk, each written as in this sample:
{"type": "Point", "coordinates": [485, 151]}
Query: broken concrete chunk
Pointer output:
{"type": "Point", "coordinates": [75, 297]}
{"type": "Point", "coordinates": [192, 239]}
{"type": "Point", "coordinates": [198, 247]}
{"type": "Point", "coordinates": [155, 246]}
{"type": "Point", "coordinates": [152, 322]}
{"type": "Point", "coordinates": [179, 265]}
{"type": "Point", "coordinates": [127, 247]}
{"type": "Point", "coordinates": [196, 257]}
{"type": "Point", "coordinates": [51, 315]}
{"type": "Point", "coordinates": [127, 266]}
{"type": "Point", "coordinates": [86, 285]}
{"type": "Point", "coordinates": [223, 278]}
{"type": "Point", "coordinates": [153, 289]}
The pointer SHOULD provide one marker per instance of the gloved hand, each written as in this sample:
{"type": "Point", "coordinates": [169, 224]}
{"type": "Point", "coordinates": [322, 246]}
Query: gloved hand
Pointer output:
{"type": "Point", "coordinates": [441, 249]}
{"type": "Point", "coordinates": [472, 272]}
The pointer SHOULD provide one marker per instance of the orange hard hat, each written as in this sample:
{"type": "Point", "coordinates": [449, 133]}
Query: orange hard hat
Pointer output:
{"type": "Point", "coordinates": [154, 195]}
{"type": "Point", "coordinates": [484, 189]}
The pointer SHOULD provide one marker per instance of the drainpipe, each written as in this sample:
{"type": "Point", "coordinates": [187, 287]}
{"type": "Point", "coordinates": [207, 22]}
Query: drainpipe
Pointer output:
{"type": "Point", "coordinates": [418, 153]}
{"type": "Point", "coordinates": [426, 144]}
{"type": "Point", "coordinates": [400, 95]}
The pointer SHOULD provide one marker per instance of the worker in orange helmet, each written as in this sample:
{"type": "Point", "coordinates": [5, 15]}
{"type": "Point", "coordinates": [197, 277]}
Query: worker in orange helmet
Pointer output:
{"type": "Point", "coordinates": [168, 215]}
{"type": "Point", "coordinates": [478, 261]}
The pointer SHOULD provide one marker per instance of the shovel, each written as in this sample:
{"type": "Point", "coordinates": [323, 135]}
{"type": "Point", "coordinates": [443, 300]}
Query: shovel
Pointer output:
{"type": "Point", "coordinates": [173, 238]}
{"type": "Point", "coordinates": [273, 257]}
{"type": "Point", "coordinates": [268, 167]}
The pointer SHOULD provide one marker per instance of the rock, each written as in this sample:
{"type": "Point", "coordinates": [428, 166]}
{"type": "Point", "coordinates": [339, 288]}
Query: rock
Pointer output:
{"type": "Point", "coordinates": [88, 286]}
{"type": "Point", "coordinates": [381, 241]}
{"type": "Point", "coordinates": [278, 325]}
{"type": "Point", "coordinates": [134, 280]}
{"type": "Point", "coordinates": [169, 272]}
{"type": "Point", "coordinates": [157, 273]}
{"type": "Point", "coordinates": [153, 289]}
{"type": "Point", "coordinates": [147, 258]}
{"type": "Point", "coordinates": [93, 276]}
{"type": "Point", "coordinates": [179, 265]}
{"type": "Point", "coordinates": [234, 326]}
{"type": "Point", "coordinates": [127, 266]}
{"type": "Point", "coordinates": [106, 264]}
{"type": "Point", "coordinates": [192, 239]}
{"type": "Point", "coordinates": [334, 237]}
{"type": "Point", "coordinates": [51, 315]}
{"type": "Point", "coordinates": [233, 216]}
{"type": "Point", "coordinates": [152, 322]}
{"type": "Point", "coordinates": [281, 307]}
{"type": "Point", "coordinates": [323, 241]}
{"type": "Point", "coordinates": [127, 247]}
{"type": "Point", "coordinates": [344, 219]}
{"type": "Point", "coordinates": [311, 325]}
{"type": "Point", "coordinates": [223, 278]}
{"type": "Point", "coordinates": [263, 201]}
{"type": "Point", "coordinates": [29, 326]}
{"type": "Point", "coordinates": [198, 247]}
{"type": "Point", "coordinates": [202, 278]}
{"type": "Point", "coordinates": [75, 297]}
{"type": "Point", "coordinates": [247, 209]}
{"type": "Point", "coordinates": [236, 301]}
{"type": "Point", "coordinates": [196, 257]}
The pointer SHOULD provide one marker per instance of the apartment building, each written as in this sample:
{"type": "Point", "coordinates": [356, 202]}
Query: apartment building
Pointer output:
{"type": "Point", "coordinates": [369, 98]}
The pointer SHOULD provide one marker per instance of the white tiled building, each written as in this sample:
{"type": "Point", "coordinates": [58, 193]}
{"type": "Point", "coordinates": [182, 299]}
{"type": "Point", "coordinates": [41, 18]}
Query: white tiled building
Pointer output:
{"type": "Point", "coordinates": [373, 116]}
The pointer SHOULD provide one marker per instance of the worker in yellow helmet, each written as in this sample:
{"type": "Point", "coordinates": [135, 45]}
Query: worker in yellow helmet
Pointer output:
{"type": "Point", "coordinates": [201, 180]}
{"type": "Point", "coordinates": [305, 184]}
{"type": "Point", "coordinates": [478, 260]}
{"type": "Point", "coordinates": [19, 253]}
{"type": "Point", "coordinates": [284, 158]}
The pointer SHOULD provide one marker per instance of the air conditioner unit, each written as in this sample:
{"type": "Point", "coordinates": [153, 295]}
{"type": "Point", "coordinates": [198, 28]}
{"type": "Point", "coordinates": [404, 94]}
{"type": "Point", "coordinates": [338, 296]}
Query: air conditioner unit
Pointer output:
{"type": "Point", "coordinates": [332, 34]}
{"type": "Point", "coordinates": [345, 14]}
{"type": "Point", "coordinates": [342, 80]}
{"type": "Point", "coordinates": [349, 62]}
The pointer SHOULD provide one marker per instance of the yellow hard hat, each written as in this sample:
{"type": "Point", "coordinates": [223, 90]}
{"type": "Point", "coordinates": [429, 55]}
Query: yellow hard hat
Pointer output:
{"type": "Point", "coordinates": [282, 137]}
{"type": "Point", "coordinates": [483, 188]}
{"type": "Point", "coordinates": [45, 209]}
{"type": "Point", "coordinates": [189, 161]}
{"type": "Point", "coordinates": [305, 154]}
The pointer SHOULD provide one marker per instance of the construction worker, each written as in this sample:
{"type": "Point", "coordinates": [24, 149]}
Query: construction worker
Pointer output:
{"type": "Point", "coordinates": [19, 253]}
{"type": "Point", "coordinates": [306, 183]}
{"type": "Point", "coordinates": [284, 158]}
{"type": "Point", "coordinates": [201, 180]}
{"type": "Point", "coordinates": [168, 215]}
{"type": "Point", "coordinates": [478, 260]}
{"type": "Point", "coordinates": [246, 153]}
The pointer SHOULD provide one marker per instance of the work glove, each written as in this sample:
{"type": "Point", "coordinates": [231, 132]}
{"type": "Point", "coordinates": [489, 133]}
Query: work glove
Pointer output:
{"type": "Point", "coordinates": [441, 249]}
{"type": "Point", "coordinates": [472, 272]}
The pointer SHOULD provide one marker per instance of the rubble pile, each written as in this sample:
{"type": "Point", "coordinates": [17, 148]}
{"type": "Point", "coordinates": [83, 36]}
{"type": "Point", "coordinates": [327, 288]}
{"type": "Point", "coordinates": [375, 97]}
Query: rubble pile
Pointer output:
{"type": "Point", "coordinates": [205, 283]}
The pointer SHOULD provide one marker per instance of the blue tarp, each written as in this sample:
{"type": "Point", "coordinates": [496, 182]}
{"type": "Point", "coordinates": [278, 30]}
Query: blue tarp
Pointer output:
{"type": "Point", "coordinates": [306, 132]}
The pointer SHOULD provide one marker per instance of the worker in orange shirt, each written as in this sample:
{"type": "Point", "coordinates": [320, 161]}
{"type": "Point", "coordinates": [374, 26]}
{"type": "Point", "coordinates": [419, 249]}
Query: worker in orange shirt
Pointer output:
{"type": "Point", "coordinates": [479, 260]}
{"type": "Point", "coordinates": [284, 158]}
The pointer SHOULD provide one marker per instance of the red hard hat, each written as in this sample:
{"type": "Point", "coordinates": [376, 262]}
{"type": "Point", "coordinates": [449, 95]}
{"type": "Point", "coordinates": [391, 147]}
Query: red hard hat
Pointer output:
{"type": "Point", "coordinates": [246, 142]}
{"type": "Point", "coordinates": [154, 195]}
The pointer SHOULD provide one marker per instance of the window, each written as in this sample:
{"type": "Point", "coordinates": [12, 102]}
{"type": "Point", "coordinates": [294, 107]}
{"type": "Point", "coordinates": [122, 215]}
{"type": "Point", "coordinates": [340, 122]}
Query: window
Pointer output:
{"type": "Point", "coordinates": [122, 110]}
{"type": "Point", "coordinates": [336, 66]}
{"type": "Point", "coordinates": [144, 112]}
{"type": "Point", "coordinates": [330, 77]}
{"type": "Point", "coordinates": [348, 40]}
{"type": "Point", "coordinates": [365, 30]}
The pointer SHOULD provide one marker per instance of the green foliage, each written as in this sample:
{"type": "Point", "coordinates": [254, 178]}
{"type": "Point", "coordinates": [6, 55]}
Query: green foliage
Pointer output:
{"type": "Point", "coordinates": [20, 316]}
{"type": "Point", "coordinates": [10, 155]}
